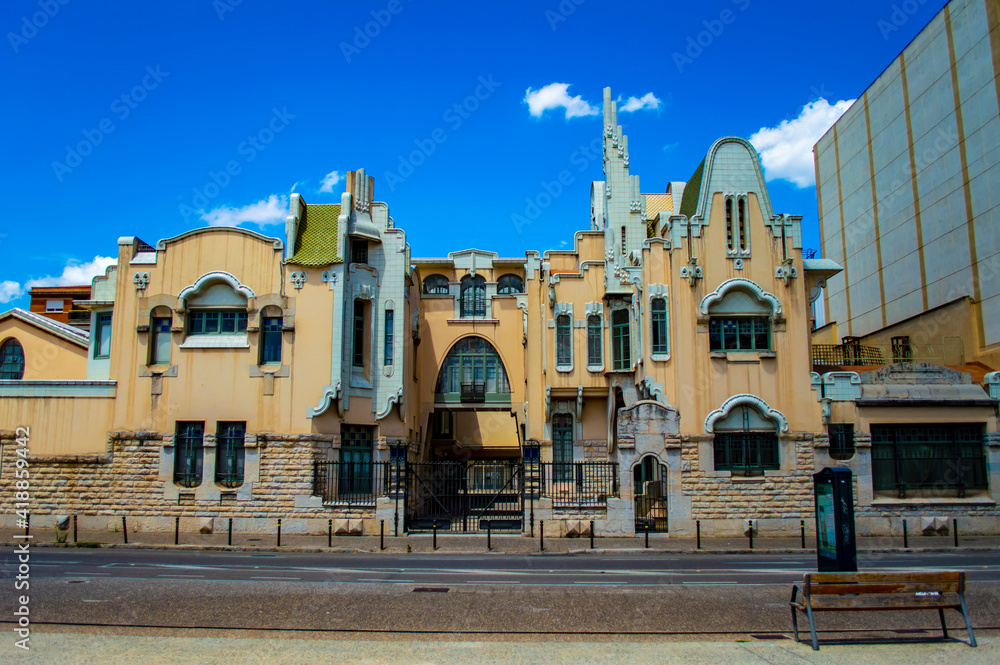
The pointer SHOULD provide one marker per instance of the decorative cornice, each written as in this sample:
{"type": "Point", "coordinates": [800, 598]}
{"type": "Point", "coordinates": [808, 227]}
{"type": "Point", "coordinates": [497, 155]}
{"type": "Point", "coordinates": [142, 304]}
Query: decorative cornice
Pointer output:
{"type": "Point", "coordinates": [740, 283]}
{"type": "Point", "coordinates": [748, 400]}
{"type": "Point", "coordinates": [161, 245]}
{"type": "Point", "coordinates": [214, 276]}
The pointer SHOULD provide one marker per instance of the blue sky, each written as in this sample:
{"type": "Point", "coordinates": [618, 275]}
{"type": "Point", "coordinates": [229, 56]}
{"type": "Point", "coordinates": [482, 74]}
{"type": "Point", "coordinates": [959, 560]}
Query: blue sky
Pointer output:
{"type": "Point", "coordinates": [123, 118]}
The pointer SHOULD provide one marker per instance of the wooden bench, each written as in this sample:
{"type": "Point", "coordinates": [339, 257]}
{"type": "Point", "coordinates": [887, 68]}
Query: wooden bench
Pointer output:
{"type": "Point", "coordinates": [840, 592]}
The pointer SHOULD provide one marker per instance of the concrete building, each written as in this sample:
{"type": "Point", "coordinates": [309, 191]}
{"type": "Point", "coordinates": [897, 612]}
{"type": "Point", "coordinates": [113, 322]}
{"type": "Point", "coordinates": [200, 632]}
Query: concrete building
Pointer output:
{"type": "Point", "coordinates": [908, 182]}
{"type": "Point", "coordinates": [59, 304]}
{"type": "Point", "coordinates": [656, 374]}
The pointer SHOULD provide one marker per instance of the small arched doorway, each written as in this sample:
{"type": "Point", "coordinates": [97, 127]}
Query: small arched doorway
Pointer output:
{"type": "Point", "coordinates": [649, 477]}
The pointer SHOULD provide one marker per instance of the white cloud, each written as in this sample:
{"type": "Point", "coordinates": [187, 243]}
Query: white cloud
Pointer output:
{"type": "Point", "coordinates": [271, 210]}
{"type": "Point", "coordinates": [75, 273]}
{"type": "Point", "coordinates": [554, 96]}
{"type": "Point", "coordinates": [10, 291]}
{"type": "Point", "coordinates": [786, 150]}
{"type": "Point", "coordinates": [646, 102]}
{"type": "Point", "coordinates": [330, 180]}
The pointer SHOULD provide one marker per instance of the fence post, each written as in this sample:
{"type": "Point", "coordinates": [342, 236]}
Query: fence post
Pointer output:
{"type": "Point", "coordinates": [124, 530]}
{"type": "Point", "coordinates": [279, 532]}
{"type": "Point", "coordinates": [750, 522]}
{"type": "Point", "coordinates": [802, 532]}
{"type": "Point", "coordinates": [177, 530]}
{"type": "Point", "coordinates": [954, 529]}
{"type": "Point", "coordinates": [698, 526]}
{"type": "Point", "coordinates": [74, 528]}
{"type": "Point", "coordinates": [381, 535]}
{"type": "Point", "coordinates": [906, 543]}
{"type": "Point", "coordinates": [591, 534]}
{"type": "Point", "coordinates": [230, 541]}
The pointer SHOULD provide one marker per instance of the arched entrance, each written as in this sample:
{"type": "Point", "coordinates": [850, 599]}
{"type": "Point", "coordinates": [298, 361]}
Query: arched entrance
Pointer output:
{"type": "Point", "coordinates": [649, 476]}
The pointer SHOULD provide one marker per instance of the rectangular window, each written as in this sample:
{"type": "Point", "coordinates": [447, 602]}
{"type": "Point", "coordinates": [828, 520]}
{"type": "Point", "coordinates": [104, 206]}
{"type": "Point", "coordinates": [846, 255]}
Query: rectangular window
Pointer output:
{"type": "Point", "coordinates": [270, 340]}
{"type": "Point", "coordinates": [562, 446]}
{"type": "Point", "coordinates": [188, 453]}
{"type": "Point", "coordinates": [929, 457]}
{"type": "Point", "coordinates": [841, 441]}
{"type": "Point", "coordinates": [217, 322]}
{"type": "Point", "coordinates": [359, 334]}
{"type": "Point", "coordinates": [901, 350]}
{"type": "Point", "coordinates": [230, 453]}
{"type": "Point", "coordinates": [102, 342]}
{"type": "Point", "coordinates": [621, 344]}
{"type": "Point", "coordinates": [53, 305]}
{"type": "Point", "coordinates": [388, 336]}
{"type": "Point", "coordinates": [159, 328]}
{"type": "Point", "coordinates": [746, 453]}
{"type": "Point", "coordinates": [595, 343]}
{"type": "Point", "coordinates": [739, 334]}
{"type": "Point", "coordinates": [359, 251]}
{"type": "Point", "coordinates": [356, 446]}
{"type": "Point", "coordinates": [658, 322]}
{"type": "Point", "coordinates": [564, 341]}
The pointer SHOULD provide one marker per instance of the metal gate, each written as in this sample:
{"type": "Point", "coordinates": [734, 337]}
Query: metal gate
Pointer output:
{"type": "Point", "coordinates": [650, 478]}
{"type": "Point", "coordinates": [464, 496]}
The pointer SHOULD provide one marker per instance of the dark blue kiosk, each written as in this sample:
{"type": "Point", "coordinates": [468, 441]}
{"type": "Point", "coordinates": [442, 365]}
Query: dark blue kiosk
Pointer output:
{"type": "Point", "coordinates": [836, 548]}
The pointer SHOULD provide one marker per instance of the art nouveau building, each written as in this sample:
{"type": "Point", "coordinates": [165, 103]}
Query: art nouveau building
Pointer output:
{"type": "Point", "coordinates": [657, 373]}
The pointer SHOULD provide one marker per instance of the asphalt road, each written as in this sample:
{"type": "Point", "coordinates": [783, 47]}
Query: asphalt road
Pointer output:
{"type": "Point", "coordinates": [592, 594]}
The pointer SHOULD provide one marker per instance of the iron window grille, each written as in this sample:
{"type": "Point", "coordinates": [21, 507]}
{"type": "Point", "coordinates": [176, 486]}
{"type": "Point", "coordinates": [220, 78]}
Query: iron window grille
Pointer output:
{"type": "Point", "coordinates": [473, 297]}
{"type": "Point", "coordinates": [929, 457]}
{"type": "Point", "coordinates": [230, 453]}
{"type": "Point", "coordinates": [355, 475]}
{"type": "Point", "coordinates": [658, 322]}
{"type": "Point", "coordinates": [270, 347]}
{"type": "Point", "coordinates": [359, 251]}
{"type": "Point", "coordinates": [188, 453]}
{"type": "Point", "coordinates": [562, 445]}
{"type": "Point", "coordinates": [436, 285]}
{"type": "Point", "coordinates": [841, 441]}
{"type": "Point", "coordinates": [217, 322]}
{"type": "Point", "coordinates": [11, 360]}
{"type": "Point", "coordinates": [510, 284]}
{"type": "Point", "coordinates": [564, 340]}
{"type": "Point", "coordinates": [595, 346]}
{"type": "Point", "coordinates": [621, 343]}
{"type": "Point", "coordinates": [746, 453]}
{"type": "Point", "coordinates": [739, 334]}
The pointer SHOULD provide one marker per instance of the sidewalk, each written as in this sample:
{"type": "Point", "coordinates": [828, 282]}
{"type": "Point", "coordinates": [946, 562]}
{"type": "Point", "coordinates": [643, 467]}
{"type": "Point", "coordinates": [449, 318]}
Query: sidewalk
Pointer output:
{"type": "Point", "coordinates": [70, 648]}
{"type": "Point", "coordinates": [450, 543]}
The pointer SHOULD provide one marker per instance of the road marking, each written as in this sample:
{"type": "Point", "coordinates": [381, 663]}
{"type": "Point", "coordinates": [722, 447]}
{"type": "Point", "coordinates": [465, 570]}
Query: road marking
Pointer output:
{"type": "Point", "coordinates": [189, 576]}
{"type": "Point", "coordinates": [364, 579]}
{"type": "Point", "coordinates": [264, 577]}
{"type": "Point", "coordinates": [494, 582]}
{"type": "Point", "coordinates": [719, 582]}
{"type": "Point", "coordinates": [77, 574]}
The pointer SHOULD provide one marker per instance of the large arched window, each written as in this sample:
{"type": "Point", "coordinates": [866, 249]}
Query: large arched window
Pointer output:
{"type": "Point", "coordinates": [11, 360]}
{"type": "Point", "coordinates": [740, 321]}
{"type": "Point", "coordinates": [436, 285]}
{"type": "Point", "coordinates": [473, 295]}
{"type": "Point", "coordinates": [472, 372]}
{"type": "Point", "coordinates": [509, 284]}
{"type": "Point", "coordinates": [564, 341]}
{"type": "Point", "coordinates": [746, 442]}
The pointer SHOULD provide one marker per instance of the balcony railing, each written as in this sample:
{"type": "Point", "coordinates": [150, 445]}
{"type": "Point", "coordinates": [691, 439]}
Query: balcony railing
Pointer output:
{"type": "Point", "coordinates": [578, 483]}
{"type": "Point", "coordinates": [474, 392]}
{"type": "Point", "coordinates": [853, 354]}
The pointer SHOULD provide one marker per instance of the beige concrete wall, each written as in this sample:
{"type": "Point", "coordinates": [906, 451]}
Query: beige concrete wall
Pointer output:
{"type": "Point", "coordinates": [60, 425]}
{"type": "Point", "coordinates": [47, 357]}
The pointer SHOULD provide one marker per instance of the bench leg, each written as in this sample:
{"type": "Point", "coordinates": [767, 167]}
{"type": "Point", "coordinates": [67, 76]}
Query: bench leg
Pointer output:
{"type": "Point", "coordinates": [968, 623]}
{"type": "Point", "coordinates": [812, 628]}
{"type": "Point", "coordinates": [795, 624]}
{"type": "Point", "coordinates": [944, 626]}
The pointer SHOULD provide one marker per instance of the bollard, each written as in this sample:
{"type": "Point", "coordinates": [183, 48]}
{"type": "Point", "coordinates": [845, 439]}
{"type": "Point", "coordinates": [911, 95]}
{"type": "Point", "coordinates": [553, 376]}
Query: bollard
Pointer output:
{"type": "Point", "coordinates": [381, 535]}
{"type": "Point", "coordinates": [124, 529]}
{"type": "Point", "coordinates": [230, 539]}
{"type": "Point", "coordinates": [329, 533]}
{"type": "Point", "coordinates": [591, 534]}
{"type": "Point", "coordinates": [489, 535]}
{"type": "Point", "coordinates": [279, 532]}
{"type": "Point", "coordinates": [435, 544]}
{"type": "Point", "coordinates": [906, 543]}
{"type": "Point", "coordinates": [954, 529]}
{"type": "Point", "coordinates": [74, 528]}
{"type": "Point", "coordinates": [177, 530]}
{"type": "Point", "coordinates": [541, 535]}
{"type": "Point", "coordinates": [698, 526]}
{"type": "Point", "coordinates": [647, 536]}
{"type": "Point", "coordinates": [750, 522]}
{"type": "Point", "coordinates": [802, 532]}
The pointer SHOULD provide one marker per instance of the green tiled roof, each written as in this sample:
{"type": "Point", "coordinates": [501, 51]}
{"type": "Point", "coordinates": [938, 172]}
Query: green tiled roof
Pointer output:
{"type": "Point", "coordinates": [316, 241]}
{"type": "Point", "coordinates": [692, 190]}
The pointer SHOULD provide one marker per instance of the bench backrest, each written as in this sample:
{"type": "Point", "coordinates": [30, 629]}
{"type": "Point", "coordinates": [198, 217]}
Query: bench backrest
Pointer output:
{"type": "Point", "coordinates": [889, 582]}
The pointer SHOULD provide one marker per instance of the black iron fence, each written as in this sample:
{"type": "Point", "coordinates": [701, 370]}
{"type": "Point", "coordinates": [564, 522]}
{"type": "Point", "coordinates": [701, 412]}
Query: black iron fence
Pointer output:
{"type": "Point", "coordinates": [578, 483]}
{"type": "Point", "coordinates": [464, 496]}
{"type": "Point", "coordinates": [355, 483]}
{"type": "Point", "coordinates": [847, 355]}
